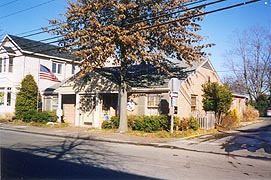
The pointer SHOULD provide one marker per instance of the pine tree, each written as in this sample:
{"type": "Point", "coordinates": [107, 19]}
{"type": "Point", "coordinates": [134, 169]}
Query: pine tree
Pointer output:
{"type": "Point", "coordinates": [28, 98]}
{"type": "Point", "coordinates": [131, 32]}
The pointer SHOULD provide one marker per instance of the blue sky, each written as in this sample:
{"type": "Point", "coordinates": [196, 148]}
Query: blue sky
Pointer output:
{"type": "Point", "coordinates": [18, 16]}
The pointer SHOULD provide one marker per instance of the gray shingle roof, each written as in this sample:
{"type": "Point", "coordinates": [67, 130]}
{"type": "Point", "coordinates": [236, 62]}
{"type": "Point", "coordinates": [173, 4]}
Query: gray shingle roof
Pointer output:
{"type": "Point", "coordinates": [40, 47]}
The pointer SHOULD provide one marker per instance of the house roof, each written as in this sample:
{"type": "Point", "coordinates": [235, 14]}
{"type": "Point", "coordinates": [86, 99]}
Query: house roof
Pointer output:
{"type": "Point", "coordinates": [139, 76]}
{"type": "Point", "coordinates": [39, 47]}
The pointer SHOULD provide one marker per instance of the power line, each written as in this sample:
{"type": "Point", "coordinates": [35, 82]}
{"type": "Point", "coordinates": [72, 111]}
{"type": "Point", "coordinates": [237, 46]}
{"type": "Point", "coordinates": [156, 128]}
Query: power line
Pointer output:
{"type": "Point", "coordinates": [161, 24]}
{"type": "Point", "coordinates": [176, 12]}
{"type": "Point", "coordinates": [201, 14]}
{"type": "Point", "coordinates": [5, 4]}
{"type": "Point", "coordinates": [40, 31]}
{"type": "Point", "coordinates": [133, 23]}
{"type": "Point", "coordinates": [23, 10]}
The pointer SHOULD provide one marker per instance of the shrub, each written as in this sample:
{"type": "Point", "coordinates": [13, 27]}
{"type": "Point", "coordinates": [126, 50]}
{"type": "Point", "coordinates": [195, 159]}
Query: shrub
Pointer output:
{"type": "Point", "coordinates": [36, 116]}
{"type": "Point", "coordinates": [151, 123]}
{"type": "Point", "coordinates": [230, 120]}
{"type": "Point", "coordinates": [193, 124]}
{"type": "Point", "coordinates": [147, 124]}
{"type": "Point", "coordinates": [113, 123]}
{"type": "Point", "coordinates": [27, 115]}
{"type": "Point", "coordinates": [188, 123]}
{"type": "Point", "coordinates": [184, 124]}
{"type": "Point", "coordinates": [43, 117]}
{"type": "Point", "coordinates": [140, 123]}
{"type": "Point", "coordinates": [27, 99]}
{"type": "Point", "coordinates": [250, 114]}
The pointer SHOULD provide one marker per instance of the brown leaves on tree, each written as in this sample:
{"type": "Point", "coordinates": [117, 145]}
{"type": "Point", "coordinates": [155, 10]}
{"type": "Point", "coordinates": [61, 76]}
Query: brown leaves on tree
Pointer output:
{"type": "Point", "coordinates": [131, 32]}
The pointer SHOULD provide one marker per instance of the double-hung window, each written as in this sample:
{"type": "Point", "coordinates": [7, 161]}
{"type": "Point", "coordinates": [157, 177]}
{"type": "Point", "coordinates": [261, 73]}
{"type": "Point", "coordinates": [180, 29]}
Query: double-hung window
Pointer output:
{"type": "Point", "coordinates": [3, 64]}
{"type": "Point", "coordinates": [10, 65]}
{"type": "Point", "coordinates": [57, 68]}
{"type": "Point", "coordinates": [193, 102]}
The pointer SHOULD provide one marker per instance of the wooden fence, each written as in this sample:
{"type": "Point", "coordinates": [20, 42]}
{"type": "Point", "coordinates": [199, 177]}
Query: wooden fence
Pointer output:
{"type": "Point", "coordinates": [206, 121]}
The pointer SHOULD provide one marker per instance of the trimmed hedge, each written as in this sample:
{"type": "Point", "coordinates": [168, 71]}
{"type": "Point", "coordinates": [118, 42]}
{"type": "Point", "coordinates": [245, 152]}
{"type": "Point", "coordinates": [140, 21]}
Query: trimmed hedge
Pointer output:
{"type": "Point", "coordinates": [152, 123]}
{"type": "Point", "coordinates": [37, 116]}
{"type": "Point", "coordinates": [140, 123]}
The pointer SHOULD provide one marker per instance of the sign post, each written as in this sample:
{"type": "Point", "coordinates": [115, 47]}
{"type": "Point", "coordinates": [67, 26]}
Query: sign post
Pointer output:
{"type": "Point", "coordinates": [174, 86]}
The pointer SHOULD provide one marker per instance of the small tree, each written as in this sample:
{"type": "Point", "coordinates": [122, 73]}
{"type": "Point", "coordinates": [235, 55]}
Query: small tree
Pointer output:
{"type": "Point", "coordinates": [28, 98]}
{"type": "Point", "coordinates": [216, 98]}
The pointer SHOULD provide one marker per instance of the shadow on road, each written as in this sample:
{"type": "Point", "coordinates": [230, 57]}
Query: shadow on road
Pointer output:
{"type": "Point", "coordinates": [71, 159]}
{"type": "Point", "coordinates": [250, 140]}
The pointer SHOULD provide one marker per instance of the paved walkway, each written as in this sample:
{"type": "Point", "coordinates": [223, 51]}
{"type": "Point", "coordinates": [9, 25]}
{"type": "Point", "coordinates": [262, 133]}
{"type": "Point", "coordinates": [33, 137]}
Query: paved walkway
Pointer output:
{"type": "Point", "coordinates": [206, 143]}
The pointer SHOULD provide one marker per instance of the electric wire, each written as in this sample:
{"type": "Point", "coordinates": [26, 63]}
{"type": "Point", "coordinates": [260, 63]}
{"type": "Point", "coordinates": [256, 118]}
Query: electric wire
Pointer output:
{"type": "Point", "coordinates": [40, 31]}
{"type": "Point", "coordinates": [23, 10]}
{"type": "Point", "coordinates": [8, 3]}
{"type": "Point", "coordinates": [183, 18]}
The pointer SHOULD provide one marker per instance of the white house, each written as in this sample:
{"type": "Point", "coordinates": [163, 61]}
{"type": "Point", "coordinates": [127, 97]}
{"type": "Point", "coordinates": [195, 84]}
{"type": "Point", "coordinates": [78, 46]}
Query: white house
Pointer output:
{"type": "Point", "coordinates": [19, 57]}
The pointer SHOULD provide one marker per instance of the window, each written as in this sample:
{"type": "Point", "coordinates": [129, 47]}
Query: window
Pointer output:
{"type": "Point", "coordinates": [193, 102]}
{"type": "Point", "coordinates": [57, 68]}
{"type": "Point", "coordinates": [1, 62]}
{"type": "Point", "coordinates": [9, 99]}
{"type": "Point", "coordinates": [2, 94]}
{"type": "Point", "coordinates": [73, 69]}
{"type": "Point", "coordinates": [154, 100]}
{"type": "Point", "coordinates": [10, 66]}
{"type": "Point", "coordinates": [3, 65]}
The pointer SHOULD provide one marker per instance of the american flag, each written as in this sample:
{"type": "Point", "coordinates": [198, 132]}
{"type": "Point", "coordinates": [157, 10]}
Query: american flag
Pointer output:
{"type": "Point", "coordinates": [46, 73]}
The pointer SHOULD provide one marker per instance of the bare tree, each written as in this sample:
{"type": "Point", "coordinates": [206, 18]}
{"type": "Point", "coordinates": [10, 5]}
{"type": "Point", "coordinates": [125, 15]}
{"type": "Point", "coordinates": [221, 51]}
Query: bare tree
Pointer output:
{"type": "Point", "coordinates": [131, 32]}
{"type": "Point", "coordinates": [251, 62]}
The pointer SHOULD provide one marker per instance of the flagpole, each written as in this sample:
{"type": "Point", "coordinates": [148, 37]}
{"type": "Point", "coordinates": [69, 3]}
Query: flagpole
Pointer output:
{"type": "Point", "coordinates": [37, 103]}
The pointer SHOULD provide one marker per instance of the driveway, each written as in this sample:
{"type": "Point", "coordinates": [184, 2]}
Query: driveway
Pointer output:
{"type": "Point", "coordinates": [255, 138]}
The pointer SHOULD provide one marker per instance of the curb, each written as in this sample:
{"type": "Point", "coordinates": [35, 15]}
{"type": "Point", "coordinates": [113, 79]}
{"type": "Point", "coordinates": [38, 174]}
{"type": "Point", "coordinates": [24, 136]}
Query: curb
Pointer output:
{"type": "Point", "coordinates": [155, 145]}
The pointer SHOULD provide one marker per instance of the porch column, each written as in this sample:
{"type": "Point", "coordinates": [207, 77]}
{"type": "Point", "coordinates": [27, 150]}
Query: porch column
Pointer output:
{"type": "Point", "coordinates": [77, 109]}
{"type": "Point", "coordinates": [59, 109]}
{"type": "Point", "coordinates": [5, 96]}
{"type": "Point", "coordinates": [96, 118]}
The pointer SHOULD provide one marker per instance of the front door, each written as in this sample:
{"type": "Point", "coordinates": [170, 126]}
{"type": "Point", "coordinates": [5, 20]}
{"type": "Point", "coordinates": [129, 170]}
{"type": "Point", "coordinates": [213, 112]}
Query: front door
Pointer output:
{"type": "Point", "coordinates": [68, 102]}
{"type": "Point", "coordinates": [87, 110]}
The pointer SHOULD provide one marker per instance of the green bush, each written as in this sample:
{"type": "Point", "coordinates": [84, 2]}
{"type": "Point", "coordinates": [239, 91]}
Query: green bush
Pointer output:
{"type": "Point", "coordinates": [43, 117]}
{"type": "Point", "coordinates": [140, 123]}
{"type": "Point", "coordinates": [151, 123]}
{"type": "Point", "coordinates": [193, 124]}
{"type": "Point", "coordinates": [188, 123]}
{"type": "Point", "coordinates": [27, 116]}
{"type": "Point", "coordinates": [36, 116]}
{"type": "Point", "coordinates": [113, 123]}
{"type": "Point", "coordinates": [28, 99]}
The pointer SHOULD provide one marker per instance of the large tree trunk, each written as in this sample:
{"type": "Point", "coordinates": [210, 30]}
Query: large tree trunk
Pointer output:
{"type": "Point", "coordinates": [123, 126]}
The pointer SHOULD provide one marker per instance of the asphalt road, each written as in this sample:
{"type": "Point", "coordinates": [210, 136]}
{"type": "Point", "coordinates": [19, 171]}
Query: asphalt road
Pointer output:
{"type": "Point", "coordinates": [31, 156]}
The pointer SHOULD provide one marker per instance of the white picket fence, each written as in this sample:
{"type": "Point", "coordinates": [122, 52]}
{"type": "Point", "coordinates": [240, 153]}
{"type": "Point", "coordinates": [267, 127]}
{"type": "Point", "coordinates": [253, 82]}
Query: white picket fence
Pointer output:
{"type": "Point", "coordinates": [206, 121]}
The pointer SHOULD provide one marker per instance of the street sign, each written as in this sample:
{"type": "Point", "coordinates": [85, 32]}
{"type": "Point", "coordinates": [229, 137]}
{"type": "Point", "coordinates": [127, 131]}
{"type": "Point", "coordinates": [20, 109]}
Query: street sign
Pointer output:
{"type": "Point", "coordinates": [173, 94]}
{"type": "Point", "coordinates": [174, 84]}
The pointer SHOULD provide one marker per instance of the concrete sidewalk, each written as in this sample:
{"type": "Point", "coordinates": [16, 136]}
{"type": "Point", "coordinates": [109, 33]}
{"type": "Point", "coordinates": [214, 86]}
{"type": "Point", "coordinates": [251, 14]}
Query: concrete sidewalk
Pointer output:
{"type": "Point", "coordinates": [205, 144]}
